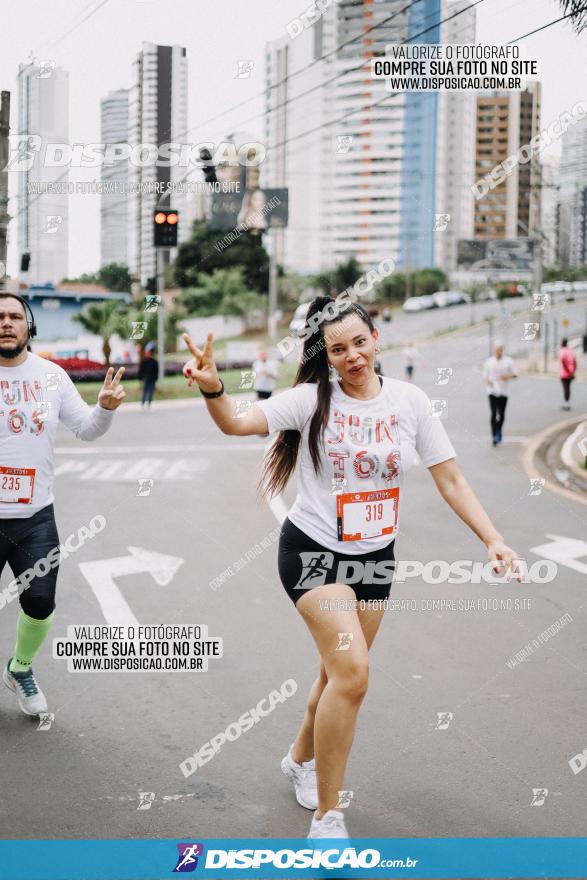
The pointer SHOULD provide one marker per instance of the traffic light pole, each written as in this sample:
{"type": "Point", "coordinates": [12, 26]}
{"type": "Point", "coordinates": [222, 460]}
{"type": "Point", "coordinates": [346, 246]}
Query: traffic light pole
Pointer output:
{"type": "Point", "coordinates": [160, 312]}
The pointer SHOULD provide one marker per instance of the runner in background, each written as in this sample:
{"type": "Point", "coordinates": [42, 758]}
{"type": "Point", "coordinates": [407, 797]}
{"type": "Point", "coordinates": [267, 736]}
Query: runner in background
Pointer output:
{"type": "Point", "coordinates": [411, 355]}
{"type": "Point", "coordinates": [37, 394]}
{"type": "Point", "coordinates": [497, 372]}
{"type": "Point", "coordinates": [266, 372]}
{"type": "Point", "coordinates": [362, 432]}
{"type": "Point", "coordinates": [568, 367]}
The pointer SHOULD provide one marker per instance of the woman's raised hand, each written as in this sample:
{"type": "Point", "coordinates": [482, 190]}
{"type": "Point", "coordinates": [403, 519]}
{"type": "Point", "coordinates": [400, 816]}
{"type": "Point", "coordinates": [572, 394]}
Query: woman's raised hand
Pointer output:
{"type": "Point", "coordinates": [201, 367]}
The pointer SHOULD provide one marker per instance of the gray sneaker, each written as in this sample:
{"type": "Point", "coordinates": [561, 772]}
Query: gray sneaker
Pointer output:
{"type": "Point", "coordinates": [31, 698]}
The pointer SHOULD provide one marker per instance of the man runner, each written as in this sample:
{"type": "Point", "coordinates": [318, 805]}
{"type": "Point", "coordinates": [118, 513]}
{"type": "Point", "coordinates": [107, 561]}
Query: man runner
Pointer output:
{"type": "Point", "coordinates": [497, 372]}
{"type": "Point", "coordinates": [35, 394]}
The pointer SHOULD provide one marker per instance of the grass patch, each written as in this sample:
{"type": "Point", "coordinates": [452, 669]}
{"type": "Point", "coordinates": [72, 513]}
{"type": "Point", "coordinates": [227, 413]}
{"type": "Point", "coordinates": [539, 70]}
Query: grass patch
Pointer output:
{"type": "Point", "coordinates": [174, 387]}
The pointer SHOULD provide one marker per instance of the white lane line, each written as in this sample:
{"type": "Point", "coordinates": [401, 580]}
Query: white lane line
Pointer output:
{"type": "Point", "coordinates": [204, 447]}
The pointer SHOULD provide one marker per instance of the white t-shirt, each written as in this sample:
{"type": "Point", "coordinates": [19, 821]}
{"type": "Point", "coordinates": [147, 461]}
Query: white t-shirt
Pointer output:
{"type": "Point", "coordinates": [369, 445]}
{"type": "Point", "coordinates": [265, 375]}
{"type": "Point", "coordinates": [34, 397]}
{"type": "Point", "coordinates": [493, 370]}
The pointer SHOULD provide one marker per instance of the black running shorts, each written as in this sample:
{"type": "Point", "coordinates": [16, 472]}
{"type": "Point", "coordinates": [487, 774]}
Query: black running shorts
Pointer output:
{"type": "Point", "coordinates": [304, 564]}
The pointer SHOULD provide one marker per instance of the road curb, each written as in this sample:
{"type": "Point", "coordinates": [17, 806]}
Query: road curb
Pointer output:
{"type": "Point", "coordinates": [542, 441]}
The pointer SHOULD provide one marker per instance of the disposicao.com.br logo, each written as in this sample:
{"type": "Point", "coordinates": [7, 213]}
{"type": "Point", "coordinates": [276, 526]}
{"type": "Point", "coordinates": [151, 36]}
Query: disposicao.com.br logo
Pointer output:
{"type": "Point", "coordinates": [285, 857]}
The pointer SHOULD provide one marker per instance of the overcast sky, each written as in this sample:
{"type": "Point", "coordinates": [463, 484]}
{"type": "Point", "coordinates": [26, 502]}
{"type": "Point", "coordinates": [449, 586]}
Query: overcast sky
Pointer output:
{"type": "Point", "coordinates": [99, 52]}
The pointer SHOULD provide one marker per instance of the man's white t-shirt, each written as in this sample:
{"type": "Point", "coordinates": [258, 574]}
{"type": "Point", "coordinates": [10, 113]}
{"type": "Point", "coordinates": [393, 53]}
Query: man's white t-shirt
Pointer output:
{"type": "Point", "coordinates": [34, 397]}
{"type": "Point", "coordinates": [369, 445]}
{"type": "Point", "coordinates": [493, 370]}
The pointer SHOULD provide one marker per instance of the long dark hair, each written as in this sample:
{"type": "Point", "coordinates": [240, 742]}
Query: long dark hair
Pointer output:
{"type": "Point", "coordinates": [281, 459]}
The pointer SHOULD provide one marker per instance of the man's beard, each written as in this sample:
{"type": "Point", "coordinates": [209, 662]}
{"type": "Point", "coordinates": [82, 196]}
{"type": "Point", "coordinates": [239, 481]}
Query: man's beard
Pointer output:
{"type": "Point", "coordinates": [11, 353]}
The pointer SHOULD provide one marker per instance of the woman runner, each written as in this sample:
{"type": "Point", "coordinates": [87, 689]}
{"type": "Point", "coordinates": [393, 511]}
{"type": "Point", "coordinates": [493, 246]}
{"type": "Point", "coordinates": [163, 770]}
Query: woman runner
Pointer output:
{"type": "Point", "coordinates": [355, 436]}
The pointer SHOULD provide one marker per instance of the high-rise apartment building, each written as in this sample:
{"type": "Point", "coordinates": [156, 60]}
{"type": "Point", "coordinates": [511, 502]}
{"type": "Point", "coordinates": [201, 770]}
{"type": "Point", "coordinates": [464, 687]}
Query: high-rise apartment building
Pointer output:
{"type": "Point", "coordinates": [42, 217]}
{"type": "Point", "coordinates": [114, 205]}
{"type": "Point", "coordinates": [507, 121]}
{"type": "Point", "coordinates": [368, 170]}
{"type": "Point", "coordinates": [157, 112]}
{"type": "Point", "coordinates": [455, 149]}
{"type": "Point", "coordinates": [572, 196]}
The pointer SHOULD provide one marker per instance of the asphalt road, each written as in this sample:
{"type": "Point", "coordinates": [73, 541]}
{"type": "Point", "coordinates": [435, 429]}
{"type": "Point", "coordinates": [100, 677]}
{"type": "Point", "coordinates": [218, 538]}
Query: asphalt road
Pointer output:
{"type": "Point", "coordinates": [116, 735]}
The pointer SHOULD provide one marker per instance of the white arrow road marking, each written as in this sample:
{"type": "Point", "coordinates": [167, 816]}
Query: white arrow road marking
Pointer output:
{"type": "Point", "coordinates": [101, 574]}
{"type": "Point", "coordinates": [567, 551]}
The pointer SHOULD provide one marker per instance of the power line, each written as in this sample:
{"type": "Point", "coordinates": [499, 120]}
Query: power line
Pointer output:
{"type": "Point", "coordinates": [385, 98]}
{"type": "Point", "coordinates": [295, 73]}
{"type": "Point", "coordinates": [352, 69]}
{"type": "Point", "coordinates": [550, 24]}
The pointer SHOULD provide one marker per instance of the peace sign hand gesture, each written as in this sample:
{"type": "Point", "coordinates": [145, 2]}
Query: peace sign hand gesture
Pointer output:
{"type": "Point", "coordinates": [112, 393]}
{"type": "Point", "coordinates": [201, 367]}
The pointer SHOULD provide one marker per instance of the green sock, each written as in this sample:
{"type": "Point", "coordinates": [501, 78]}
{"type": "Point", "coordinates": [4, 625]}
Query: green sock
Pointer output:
{"type": "Point", "coordinates": [30, 635]}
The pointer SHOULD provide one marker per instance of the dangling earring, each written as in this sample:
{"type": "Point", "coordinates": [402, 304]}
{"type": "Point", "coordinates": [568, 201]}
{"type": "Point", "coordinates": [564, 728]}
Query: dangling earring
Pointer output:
{"type": "Point", "coordinates": [331, 372]}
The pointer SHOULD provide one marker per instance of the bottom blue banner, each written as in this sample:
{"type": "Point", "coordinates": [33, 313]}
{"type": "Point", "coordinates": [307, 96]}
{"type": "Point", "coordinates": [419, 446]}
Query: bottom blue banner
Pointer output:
{"type": "Point", "coordinates": [292, 857]}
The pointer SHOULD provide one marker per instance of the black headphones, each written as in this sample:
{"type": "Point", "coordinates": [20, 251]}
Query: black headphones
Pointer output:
{"type": "Point", "coordinates": [30, 322]}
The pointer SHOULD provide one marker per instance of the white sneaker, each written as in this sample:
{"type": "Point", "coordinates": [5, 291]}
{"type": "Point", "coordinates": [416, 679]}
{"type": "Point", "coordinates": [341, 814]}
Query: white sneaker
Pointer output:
{"type": "Point", "coordinates": [330, 825]}
{"type": "Point", "coordinates": [31, 698]}
{"type": "Point", "coordinates": [303, 777]}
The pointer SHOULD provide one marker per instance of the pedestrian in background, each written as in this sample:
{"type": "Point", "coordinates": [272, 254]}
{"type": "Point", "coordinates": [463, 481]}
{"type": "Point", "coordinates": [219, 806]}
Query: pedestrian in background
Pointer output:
{"type": "Point", "coordinates": [497, 372]}
{"type": "Point", "coordinates": [148, 374]}
{"type": "Point", "coordinates": [410, 357]}
{"type": "Point", "coordinates": [568, 367]}
{"type": "Point", "coordinates": [265, 376]}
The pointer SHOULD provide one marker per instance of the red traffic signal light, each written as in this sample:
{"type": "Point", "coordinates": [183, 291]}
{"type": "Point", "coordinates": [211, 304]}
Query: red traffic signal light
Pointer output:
{"type": "Point", "coordinates": [165, 223]}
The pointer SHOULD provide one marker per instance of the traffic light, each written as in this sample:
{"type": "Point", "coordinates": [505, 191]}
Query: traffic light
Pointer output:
{"type": "Point", "coordinates": [208, 169]}
{"type": "Point", "coordinates": [165, 222]}
{"type": "Point", "coordinates": [151, 285]}
{"type": "Point", "coordinates": [25, 261]}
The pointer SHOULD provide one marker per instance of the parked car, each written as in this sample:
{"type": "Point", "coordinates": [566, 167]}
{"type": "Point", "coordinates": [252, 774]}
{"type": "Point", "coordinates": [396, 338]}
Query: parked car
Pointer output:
{"type": "Point", "coordinates": [419, 303]}
{"type": "Point", "coordinates": [443, 298]}
{"type": "Point", "coordinates": [298, 322]}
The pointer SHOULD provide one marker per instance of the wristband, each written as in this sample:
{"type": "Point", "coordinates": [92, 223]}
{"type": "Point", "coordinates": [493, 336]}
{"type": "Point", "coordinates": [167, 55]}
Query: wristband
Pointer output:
{"type": "Point", "coordinates": [212, 394]}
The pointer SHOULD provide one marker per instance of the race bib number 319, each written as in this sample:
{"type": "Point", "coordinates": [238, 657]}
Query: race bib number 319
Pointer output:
{"type": "Point", "coordinates": [361, 515]}
{"type": "Point", "coordinates": [16, 485]}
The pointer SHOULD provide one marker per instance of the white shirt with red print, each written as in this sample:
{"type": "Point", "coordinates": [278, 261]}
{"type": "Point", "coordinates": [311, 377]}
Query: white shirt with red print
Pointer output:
{"type": "Point", "coordinates": [34, 397]}
{"type": "Point", "coordinates": [369, 445]}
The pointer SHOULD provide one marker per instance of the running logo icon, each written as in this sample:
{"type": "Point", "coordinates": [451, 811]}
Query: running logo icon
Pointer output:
{"type": "Point", "coordinates": [315, 567]}
{"type": "Point", "coordinates": [187, 860]}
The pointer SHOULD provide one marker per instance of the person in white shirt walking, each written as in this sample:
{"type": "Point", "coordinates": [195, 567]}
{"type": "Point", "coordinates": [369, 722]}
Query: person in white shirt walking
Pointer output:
{"type": "Point", "coordinates": [355, 436]}
{"type": "Point", "coordinates": [497, 372]}
{"type": "Point", "coordinates": [265, 376]}
{"type": "Point", "coordinates": [35, 394]}
{"type": "Point", "coordinates": [411, 355]}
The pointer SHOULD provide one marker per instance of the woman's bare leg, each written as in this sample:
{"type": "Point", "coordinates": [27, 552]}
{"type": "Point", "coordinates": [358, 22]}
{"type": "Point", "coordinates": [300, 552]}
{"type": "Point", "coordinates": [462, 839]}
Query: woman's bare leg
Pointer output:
{"type": "Point", "coordinates": [347, 671]}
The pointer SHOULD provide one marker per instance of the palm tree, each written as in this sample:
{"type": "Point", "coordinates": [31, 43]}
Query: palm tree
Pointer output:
{"type": "Point", "coordinates": [104, 319]}
{"type": "Point", "coordinates": [577, 11]}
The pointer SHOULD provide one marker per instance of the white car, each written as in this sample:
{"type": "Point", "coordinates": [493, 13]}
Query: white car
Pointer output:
{"type": "Point", "coordinates": [419, 303]}
{"type": "Point", "coordinates": [445, 298]}
{"type": "Point", "coordinates": [298, 322]}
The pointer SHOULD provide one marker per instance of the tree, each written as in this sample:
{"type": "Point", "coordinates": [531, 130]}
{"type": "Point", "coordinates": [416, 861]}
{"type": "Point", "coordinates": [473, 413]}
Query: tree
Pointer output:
{"type": "Point", "coordinates": [392, 287]}
{"type": "Point", "coordinates": [427, 281]}
{"type": "Point", "coordinates": [104, 319]}
{"type": "Point", "coordinates": [224, 292]}
{"type": "Point", "coordinates": [198, 256]}
{"type": "Point", "coordinates": [171, 326]}
{"type": "Point", "coordinates": [578, 13]}
{"type": "Point", "coordinates": [338, 279]}
{"type": "Point", "coordinates": [114, 276]}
